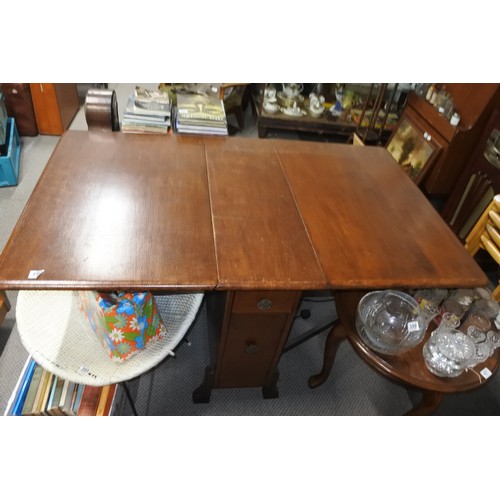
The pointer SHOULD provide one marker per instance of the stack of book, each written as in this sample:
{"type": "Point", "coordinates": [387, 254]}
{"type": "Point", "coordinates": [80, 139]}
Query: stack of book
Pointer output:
{"type": "Point", "coordinates": [39, 392]}
{"type": "Point", "coordinates": [147, 111]}
{"type": "Point", "coordinates": [200, 114]}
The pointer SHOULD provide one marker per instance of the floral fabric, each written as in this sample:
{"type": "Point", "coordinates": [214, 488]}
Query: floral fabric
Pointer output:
{"type": "Point", "coordinates": [125, 322]}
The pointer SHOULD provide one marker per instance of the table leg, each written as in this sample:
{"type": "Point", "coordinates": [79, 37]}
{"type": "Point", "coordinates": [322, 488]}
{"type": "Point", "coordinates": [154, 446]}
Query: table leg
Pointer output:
{"type": "Point", "coordinates": [335, 337]}
{"type": "Point", "coordinates": [4, 305]}
{"type": "Point", "coordinates": [428, 404]}
{"type": "Point", "coordinates": [270, 391]}
{"type": "Point", "coordinates": [204, 391]}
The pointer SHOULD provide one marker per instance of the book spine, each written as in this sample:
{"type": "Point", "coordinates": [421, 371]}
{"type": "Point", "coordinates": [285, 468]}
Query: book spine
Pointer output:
{"type": "Point", "coordinates": [90, 400]}
{"type": "Point", "coordinates": [48, 390]}
{"type": "Point", "coordinates": [67, 404]}
{"type": "Point", "coordinates": [102, 401]}
{"type": "Point", "coordinates": [78, 399]}
{"type": "Point", "coordinates": [39, 393]}
{"type": "Point", "coordinates": [32, 391]}
{"type": "Point", "coordinates": [110, 401]}
{"type": "Point", "coordinates": [15, 392]}
{"type": "Point", "coordinates": [23, 390]}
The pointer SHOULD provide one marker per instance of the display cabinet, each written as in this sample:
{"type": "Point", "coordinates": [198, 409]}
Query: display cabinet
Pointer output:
{"type": "Point", "coordinates": [474, 103]}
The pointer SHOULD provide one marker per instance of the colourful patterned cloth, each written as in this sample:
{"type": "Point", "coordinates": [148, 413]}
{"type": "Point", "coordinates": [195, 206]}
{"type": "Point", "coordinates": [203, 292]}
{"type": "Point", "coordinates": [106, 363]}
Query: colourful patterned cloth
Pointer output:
{"type": "Point", "coordinates": [124, 321]}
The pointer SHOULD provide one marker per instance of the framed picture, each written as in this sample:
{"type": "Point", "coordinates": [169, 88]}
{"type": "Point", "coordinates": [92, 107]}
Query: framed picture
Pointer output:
{"type": "Point", "coordinates": [414, 149]}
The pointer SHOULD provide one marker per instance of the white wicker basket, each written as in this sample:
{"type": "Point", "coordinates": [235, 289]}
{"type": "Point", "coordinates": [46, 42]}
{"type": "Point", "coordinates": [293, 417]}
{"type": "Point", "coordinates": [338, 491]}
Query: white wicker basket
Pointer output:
{"type": "Point", "coordinates": [60, 339]}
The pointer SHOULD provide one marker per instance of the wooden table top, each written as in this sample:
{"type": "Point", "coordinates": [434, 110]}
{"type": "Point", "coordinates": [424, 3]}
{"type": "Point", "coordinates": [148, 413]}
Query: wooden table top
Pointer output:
{"type": "Point", "coordinates": [125, 211]}
{"type": "Point", "coordinates": [371, 227]}
{"type": "Point", "coordinates": [116, 211]}
{"type": "Point", "coordinates": [260, 238]}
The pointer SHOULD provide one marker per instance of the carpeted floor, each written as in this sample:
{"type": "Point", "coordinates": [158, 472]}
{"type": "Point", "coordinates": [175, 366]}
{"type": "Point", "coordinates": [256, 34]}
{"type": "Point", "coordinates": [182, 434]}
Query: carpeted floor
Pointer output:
{"type": "Point", "coordinates": [352, 389]}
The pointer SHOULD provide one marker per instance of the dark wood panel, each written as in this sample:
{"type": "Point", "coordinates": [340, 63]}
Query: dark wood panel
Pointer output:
{"type": "Point", "coordinates": [370, 226]}
{"type": "Point", "coordinates": [261, 241]}
{"type": "Point", "coordinates": [114, 211]}
{"type": "Point", "coordinates": [67, 101]}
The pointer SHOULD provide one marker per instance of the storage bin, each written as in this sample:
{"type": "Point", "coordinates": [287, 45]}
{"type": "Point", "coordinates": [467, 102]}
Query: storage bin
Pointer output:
{"type": "Point", "coordinates": [9, 164]}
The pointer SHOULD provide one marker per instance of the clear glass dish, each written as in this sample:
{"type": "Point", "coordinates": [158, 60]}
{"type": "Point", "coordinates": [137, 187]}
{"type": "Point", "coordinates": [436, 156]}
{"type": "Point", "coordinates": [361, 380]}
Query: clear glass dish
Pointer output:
{"type": "Point", "coordinates": [448, 352]}
{"type": "Point", "coordinates": [390, 321]}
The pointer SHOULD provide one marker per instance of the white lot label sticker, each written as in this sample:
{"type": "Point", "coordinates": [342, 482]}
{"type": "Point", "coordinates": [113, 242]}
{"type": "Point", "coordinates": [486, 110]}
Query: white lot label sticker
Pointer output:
{"type": "Point", "coordinates": [34, 273]}
{"type": "Point", "coordinates": [485, 373]}
{"type": "Point", "coordinates": [413, 326]}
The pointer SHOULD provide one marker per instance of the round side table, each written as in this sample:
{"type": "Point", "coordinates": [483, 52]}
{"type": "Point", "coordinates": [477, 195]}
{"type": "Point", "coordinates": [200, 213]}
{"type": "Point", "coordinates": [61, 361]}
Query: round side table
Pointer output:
{"type": "Point", "coordinates": [407, 368]}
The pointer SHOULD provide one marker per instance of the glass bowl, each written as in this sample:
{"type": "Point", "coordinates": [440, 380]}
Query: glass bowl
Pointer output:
{"type": "Point", "coordinates": [448, 353]}
{"type": "Point", "coordinates": [390, 321]}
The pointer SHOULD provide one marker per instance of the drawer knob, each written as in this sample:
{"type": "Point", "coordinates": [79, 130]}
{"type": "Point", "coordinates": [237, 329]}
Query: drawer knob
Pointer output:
{"type": "Point", "coordinates": [251, 347]}
{"type": "Point", "coordinates": [264, 304]}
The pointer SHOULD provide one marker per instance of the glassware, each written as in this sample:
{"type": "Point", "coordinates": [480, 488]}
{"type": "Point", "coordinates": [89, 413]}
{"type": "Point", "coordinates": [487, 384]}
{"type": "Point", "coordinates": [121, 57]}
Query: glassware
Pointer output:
{"type": "Point", "coordinates": [429, 300]}
{"type": "Point", "coordinates": [449, 321]}
{"type": "Point", "coordinates": [483, 346]}
{"type": "Point", "coordinates": [434, 295]}
{"type": "Point", "coordinates": [477, 321]}
{"type": "Point", "coordinates": [453, 306]}
{"type": "Point", "coordinates": [390, 321]}
{"type": "Point", "coordinates": [448, 352]}
{"type": "Point", "coordinates": [421, 89]}
{"type": "Point", "coordinates": [487, 307]}
{"type": "Point", "coordinates": [483, 293]}
{"type": "Point", "coordinates": [464, 296]}
{"type": "Point", "coordinates": [494, 338]}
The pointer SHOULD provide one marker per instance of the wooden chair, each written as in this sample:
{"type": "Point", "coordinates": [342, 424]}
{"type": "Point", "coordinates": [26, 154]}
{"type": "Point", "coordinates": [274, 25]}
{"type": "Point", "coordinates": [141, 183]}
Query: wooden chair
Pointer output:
{"type": "Point", "coordinates": [232, 94]}
{"type": "Point", "coordinates": [486, 235]}
{"type": "Point", "coordinates": [4, 305]}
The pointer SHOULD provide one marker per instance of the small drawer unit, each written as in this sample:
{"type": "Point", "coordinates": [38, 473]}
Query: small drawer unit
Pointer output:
{"type": "Point", "coordinates": [255, 328]}
{"type": "Point", "coordinates": [9, 162]}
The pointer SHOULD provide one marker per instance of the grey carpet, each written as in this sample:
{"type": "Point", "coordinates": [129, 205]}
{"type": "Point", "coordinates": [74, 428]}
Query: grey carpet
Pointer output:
{"type": "Point", "coordinates": [352, 389]}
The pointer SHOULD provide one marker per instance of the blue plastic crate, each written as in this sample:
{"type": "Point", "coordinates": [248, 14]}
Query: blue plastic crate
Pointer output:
{"type": "Point", "coordinates": [9, 164]}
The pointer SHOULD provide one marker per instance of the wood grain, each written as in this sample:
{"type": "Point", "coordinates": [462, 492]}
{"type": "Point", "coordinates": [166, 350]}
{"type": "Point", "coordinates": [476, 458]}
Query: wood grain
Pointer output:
{"type": "Point", "coordinates": [261, 241]}
{"type": "Point", "coordinates": [370, 226]}
{"type": "Point", "coordinates": [124, 211]}
{"type": "Point", "coordinates": [116, 211]}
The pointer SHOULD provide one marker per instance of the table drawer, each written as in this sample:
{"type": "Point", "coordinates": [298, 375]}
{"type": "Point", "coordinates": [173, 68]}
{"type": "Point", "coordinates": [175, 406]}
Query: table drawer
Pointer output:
{"type": "Point", "coordinates": [264, 302]}
{"type": "Point", "coordinates": [251, 346]}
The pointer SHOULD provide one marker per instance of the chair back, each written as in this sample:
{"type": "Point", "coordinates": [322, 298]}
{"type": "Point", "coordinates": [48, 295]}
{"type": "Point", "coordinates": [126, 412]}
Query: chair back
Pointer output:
{"type": "Point", "coordinates": [486, 232]}
{"type": "Point", "coordinates": [486, 235]}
